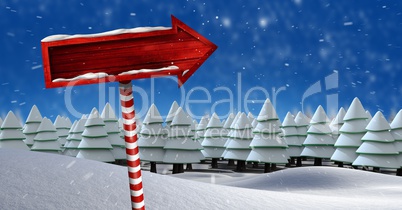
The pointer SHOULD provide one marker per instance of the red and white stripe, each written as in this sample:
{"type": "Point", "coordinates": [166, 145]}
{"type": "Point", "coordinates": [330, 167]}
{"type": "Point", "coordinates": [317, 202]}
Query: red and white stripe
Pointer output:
{"type": "Point", "coordinates": [130, 136]}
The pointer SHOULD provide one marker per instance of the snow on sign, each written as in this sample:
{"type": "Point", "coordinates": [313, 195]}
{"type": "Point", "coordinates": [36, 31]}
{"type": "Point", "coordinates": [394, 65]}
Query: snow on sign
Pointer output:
{"type": "Point", "coordinates": [124, 54]}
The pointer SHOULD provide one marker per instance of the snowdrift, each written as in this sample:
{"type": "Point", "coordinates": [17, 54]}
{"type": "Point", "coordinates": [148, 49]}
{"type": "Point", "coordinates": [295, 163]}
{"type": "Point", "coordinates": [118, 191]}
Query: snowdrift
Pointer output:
{"type": "Point", "coordinates": [33, 180]}
{"type": "Point", "coordinates": [328, 180]}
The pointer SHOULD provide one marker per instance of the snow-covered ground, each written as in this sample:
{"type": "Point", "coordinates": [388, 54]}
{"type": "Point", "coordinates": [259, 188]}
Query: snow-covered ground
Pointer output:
{"type": "Point", "coordinates": [33, 180]}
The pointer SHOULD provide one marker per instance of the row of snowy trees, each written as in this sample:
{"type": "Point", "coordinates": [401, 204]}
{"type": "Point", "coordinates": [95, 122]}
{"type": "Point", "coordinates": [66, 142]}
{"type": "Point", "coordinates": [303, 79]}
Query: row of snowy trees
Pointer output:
{"type": "Point", "coordinates": [92, 137]}
{"type": "Point", "coordinates": [352, 137]}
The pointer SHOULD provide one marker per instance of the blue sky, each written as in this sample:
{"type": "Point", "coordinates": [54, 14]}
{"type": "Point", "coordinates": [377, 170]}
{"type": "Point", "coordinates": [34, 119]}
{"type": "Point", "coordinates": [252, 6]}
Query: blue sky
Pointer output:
{"type": "Point", "coordinates": [299, 53]}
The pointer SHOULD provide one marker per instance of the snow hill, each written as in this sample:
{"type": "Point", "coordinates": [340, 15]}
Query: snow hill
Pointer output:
{"type": "Point", "coordinates": [34, 180]}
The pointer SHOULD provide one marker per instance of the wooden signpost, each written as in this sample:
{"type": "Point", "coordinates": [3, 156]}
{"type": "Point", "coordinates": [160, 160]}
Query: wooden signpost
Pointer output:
{"type": "Point", "coordinates": [121, 56]}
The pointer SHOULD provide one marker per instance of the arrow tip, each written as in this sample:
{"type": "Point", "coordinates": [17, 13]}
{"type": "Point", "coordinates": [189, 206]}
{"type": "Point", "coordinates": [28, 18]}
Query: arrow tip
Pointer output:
{"type": "Point", "coordinates": [187, 73]}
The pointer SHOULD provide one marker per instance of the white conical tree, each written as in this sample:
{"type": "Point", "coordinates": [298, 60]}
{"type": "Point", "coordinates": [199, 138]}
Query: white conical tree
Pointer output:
{"type": "Point", "coordinates": [239, 145]}
{"type": "Point", "coordinates": [180, 148]}
{"type": "Point", "coordinates": [319, 143]}
{"type": "Point", "coordinates": [252, 120]}
{"type": "Point", "coordinates": [194, 130]}
{"type": "Point", "coordinates": [396, 131]}
{"type": "Point", "coordinates": [303, 124]}
{"type": "Point", "coordinates": [74, 138]}
{"type": "Point", "coordinates": [67, 121]}
{"type": "Point", "coordinates": [62, 128]}
{"type": "Point", "coordinates": [11, 135]}
{"type": "Point", "coordinates": [254, 123]}
{"type": "Point", "coordinates": [201, 127]}
{"type": "Point", "coordinates": [153, 138]}
{"type": "Point", "coordinates": [69, 125]}
{"type": "Point", "coordinates": [94, 144]}
{"type": "Point", "coordinates": [121, 129]}
{"type": "Point", "coordinates": [377, 149]}
{"type": "Point", "coordinates": [214, 143]}
{"type": "Point", "coordinates": [194, 137]}
{"type": "Point", "coordinates": [351, 132]}
{"type": "Point", "coordinates": [267, 145]}
{"type": "Point", "coordinates": [112, 129]}
{"type": "Point", "coordinates": [172, 113]}
{"type": "Point", "coordinates": [46, 140]}
{"type": "Point", "coordinates": [31, 125]}
{"type": "Point", "coordinates": [337, 123]}
{"type": "Point", "coordinates": [230, 128]}
{"type": "Point", "coordinates": [369, 116]}
{"type": "Point", "coordinates": [291, 136]}
{"type": "Point", "coordinates": [226, 126]}
{"type": "Point", "coordinates": [250, 117]}
{"type": "Point", "coordinates": [70, 133]}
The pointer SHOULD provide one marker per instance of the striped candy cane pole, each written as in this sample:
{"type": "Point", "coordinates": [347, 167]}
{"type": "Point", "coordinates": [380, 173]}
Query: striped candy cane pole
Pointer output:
{"type": "Point", "coordinates": [130, 136]}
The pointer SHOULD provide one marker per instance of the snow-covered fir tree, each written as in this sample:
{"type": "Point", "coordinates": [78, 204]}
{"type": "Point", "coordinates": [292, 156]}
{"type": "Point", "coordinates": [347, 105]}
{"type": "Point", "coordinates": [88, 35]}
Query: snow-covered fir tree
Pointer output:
{"type": "Point", "coordinates": [251, 117]}
{"type": "Point", "coordinates": [302, 126]}
{"type": "Point", "coordinates": [112, 129]}
{"type": "Point", "coordinates": [62, 128]}
{"type": "Point", "coordinates": [200, 128]}
{"type": "Point", "coordinates": [231, 123]}
{"type": "Point", "coordinates": [74, 138]}
{"type": "Point", "coordinates": [396, 131]}
{"type": "Point", "coordinates": [70, 133]}
{"type": "Point", "coordinates": [267, 146]}
{"type": "Point", "coordinates": [171, 113]}
{"type": "Point", "coordinates": [351, 132]}
{"type": "Point", "coordinates": [254, 123]}
{"type": "Point", "coordinates": [31, 125]}
{"type": "Point", "coordinates": [291, 136]}
{"type": "Point", "coordinates": [152, 139]}
{"type": "Point", "coordinates": [252, 120]}
{"type": "Point", "coordinates": [377, 149]}
{"type": "Point", "coordinates": [214, 143]}
{"type": "Point", "coordinates": [337, 123]}
{"type": "Point", "coordinates": [95, 144]}
{"type": "Point", "coordinates": [369, 116]}
{"type": "Point", "coordinates": [194, 130]}
{"type": "Point", "coordinates": [239, 146]}
{"type": "Point", "coordinates": [47, 140]}
{"type": "Point", "coordinates": [121, 129]}
{"type": "Point", "coordinates": [180, 148]}
{"type": "Point", "coordinates": [319, 143]}
{"type": "Point", "coordinates": [194, 137]}
{"type": "Point", "coordinates": [11, 135]}
{"type": "Point", "coordinates": [226, 126]}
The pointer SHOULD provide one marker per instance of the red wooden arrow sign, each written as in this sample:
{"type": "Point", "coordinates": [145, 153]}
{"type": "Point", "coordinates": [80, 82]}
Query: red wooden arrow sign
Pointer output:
{"type": "Point", "coordinates": [124, 55]}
